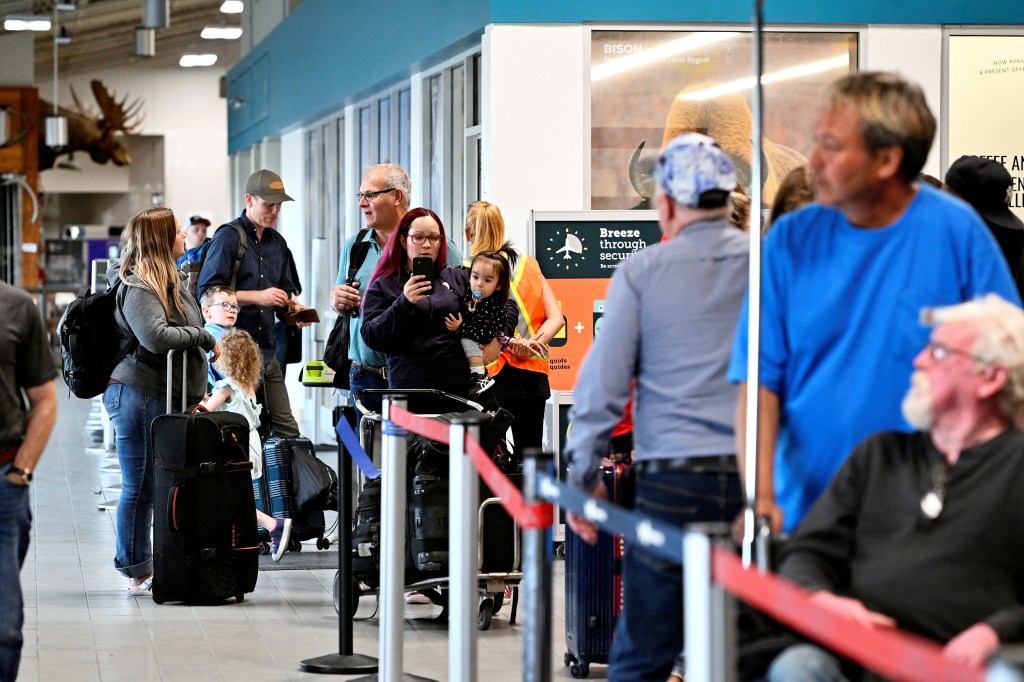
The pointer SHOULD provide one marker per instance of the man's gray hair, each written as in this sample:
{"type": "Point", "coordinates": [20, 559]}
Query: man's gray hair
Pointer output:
{"type": "Point", "coordinates": [396, 177]}
{"type": "Point", "coordinates": [1000, 341]}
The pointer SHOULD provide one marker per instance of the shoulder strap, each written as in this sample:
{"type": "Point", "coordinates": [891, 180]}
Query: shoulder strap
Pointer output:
{"type": "Point", "coordinates": [358, 253]}
{"type": "Point", "coordinates": [240, 253]}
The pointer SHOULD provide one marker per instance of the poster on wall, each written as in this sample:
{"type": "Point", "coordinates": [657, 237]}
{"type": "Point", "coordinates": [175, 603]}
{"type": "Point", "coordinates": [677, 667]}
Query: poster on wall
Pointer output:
{"type": "Point", "coordinates": [986, 77]}
{"type": "Point", "coordinates": [647, 87]}
{"type": "Point", "coordinates": [578, 253]}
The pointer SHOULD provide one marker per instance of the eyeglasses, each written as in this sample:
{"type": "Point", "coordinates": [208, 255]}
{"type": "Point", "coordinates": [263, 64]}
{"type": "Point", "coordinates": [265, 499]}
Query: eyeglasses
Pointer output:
{"type": "Point", "coordinates": [370, 196]}
{"type": "Point", "coordinates": [225, 306]}
{"type": "Point", "coordinates": [421, 239]}
{"type": "Point", "coordinates": [940, 352]}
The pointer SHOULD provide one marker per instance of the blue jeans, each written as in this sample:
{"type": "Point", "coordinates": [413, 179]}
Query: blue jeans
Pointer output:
{"type": "Point", "coordinates": [806, 663]}
{"type": "Point", "coordinates": [360, 378]}
{"type": "Point", "coordinates": [649, 632]}
{"type": "Point", "coordinates": [15, 523]}
{"type": "Point", "coordinates": [132, 412]}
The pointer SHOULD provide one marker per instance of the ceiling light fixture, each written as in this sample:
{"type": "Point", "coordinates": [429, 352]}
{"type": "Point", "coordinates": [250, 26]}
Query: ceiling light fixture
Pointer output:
{"type": "Point", "coordinates": [232, 7]}
{"type": "Point", "coordinates": [213, 33]}
{"type": "Point", "coordinates": [145, 42]}
{"type": "Point", "coordinates": [26, 22]}
{"type": "Point", "coordinates": [188, 60]}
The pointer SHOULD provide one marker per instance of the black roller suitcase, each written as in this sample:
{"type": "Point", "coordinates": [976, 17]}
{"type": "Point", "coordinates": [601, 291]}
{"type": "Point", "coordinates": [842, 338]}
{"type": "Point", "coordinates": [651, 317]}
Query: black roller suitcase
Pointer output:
{"type": "Point", "coordinates": [593, 588]}
{"type": "Point", "coordinates": [275, 492]}
{"type": "Point", "coordinates": [205, 545]}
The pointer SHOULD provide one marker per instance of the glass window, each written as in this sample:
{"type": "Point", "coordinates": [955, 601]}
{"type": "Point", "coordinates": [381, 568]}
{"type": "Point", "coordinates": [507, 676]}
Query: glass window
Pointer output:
{"type": "Point", "coordinates": [404, 127]}
{"type": "Point", "coordinates": [436, 143]}
{"type": "Point", "coordinates": [647, 87]}
{"type": "Point", "coordinates": [384, 130]}
{"type": "Point", "coordinates": [365, 141]}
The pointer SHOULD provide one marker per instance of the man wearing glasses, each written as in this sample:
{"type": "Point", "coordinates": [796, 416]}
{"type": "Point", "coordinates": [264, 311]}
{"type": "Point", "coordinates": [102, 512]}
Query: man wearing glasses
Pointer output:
{"type": "Point", "coordinates": [922, 530]}
{"type": "Point", "coordinates": [262, 281]}
{"type": "Point", "coordinates": [383, 199]}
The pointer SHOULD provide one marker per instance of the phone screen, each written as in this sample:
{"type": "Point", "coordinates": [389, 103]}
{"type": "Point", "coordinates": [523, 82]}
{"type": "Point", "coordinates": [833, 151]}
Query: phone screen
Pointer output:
{"type": "Point", "coordinates": [423, 265]}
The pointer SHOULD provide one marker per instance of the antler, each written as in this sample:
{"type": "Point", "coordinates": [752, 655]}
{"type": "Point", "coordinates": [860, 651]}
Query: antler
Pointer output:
{"type": "Point", "coordinates": [81, 107]}
{"type": "Point", "coordinates": [117, 116]}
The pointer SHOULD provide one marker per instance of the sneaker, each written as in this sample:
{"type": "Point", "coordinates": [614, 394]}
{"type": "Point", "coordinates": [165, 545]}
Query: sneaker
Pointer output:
{"type": "Point", "coordinates": [481, 382]}
{"type": "Point", "coordinates": [416, 598]}
{"type": "Point", "coordinates": [279, 538]}
{"type": "Point", "coordinates": [507, 597]}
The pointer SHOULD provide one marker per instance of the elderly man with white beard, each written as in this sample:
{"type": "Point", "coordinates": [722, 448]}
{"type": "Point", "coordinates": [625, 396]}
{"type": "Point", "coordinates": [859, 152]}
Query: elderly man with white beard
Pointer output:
{"type": "Point", "coordinates": [925, 530]}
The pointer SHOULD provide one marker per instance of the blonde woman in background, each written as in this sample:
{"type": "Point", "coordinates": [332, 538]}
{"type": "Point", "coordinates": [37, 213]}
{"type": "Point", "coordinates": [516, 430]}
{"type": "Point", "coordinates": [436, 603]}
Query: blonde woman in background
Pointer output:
{"type": "Point", "coordinates": [520, 370]}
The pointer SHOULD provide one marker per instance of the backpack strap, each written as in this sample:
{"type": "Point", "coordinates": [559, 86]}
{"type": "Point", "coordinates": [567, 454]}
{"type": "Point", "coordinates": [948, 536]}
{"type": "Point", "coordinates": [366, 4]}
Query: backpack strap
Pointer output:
{"type": "Point", "coordinates": [243, 242]}
{"type": "Point", "coordinates": [358, 253]}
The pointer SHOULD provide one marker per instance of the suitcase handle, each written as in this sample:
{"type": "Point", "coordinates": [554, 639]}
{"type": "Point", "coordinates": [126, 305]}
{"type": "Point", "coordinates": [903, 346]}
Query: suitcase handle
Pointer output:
{"type": "Point", "coordinates": [184, 378]}
{"type": "Point", "coordinates": [172, 508]}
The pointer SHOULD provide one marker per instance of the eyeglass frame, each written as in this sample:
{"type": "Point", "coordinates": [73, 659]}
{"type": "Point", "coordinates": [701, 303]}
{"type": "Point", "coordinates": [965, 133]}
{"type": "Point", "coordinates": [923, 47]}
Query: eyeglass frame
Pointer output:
{"type": "Point", "coordinates": [370, 196]}
{"type": "Point", "coordinates": [419, 239]}
{"type": "Point", "coordinates": [226, 307]}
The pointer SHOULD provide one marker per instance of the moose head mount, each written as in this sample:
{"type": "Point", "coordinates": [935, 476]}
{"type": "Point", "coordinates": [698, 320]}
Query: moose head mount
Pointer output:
{"type": "Point", "coordinates": [97, 134]}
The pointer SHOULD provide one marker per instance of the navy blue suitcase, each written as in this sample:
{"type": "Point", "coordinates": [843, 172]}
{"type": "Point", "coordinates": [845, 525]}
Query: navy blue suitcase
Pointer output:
{"type": "Point", "coordinates": [274, 491]}
{"type": "Point", "coordinates": [593, 589]}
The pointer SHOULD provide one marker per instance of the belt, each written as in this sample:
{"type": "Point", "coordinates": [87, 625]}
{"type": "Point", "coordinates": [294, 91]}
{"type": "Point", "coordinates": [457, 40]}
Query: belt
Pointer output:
{"type": "Point", "coordinates": [381, 371]}
{"type": "Point", "coordinates": [712, 464]}
{"type": "Point", "coordinates": [7, 456]}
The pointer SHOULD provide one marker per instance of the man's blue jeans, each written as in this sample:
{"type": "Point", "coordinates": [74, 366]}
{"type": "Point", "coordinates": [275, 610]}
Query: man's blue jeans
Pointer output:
{"type": "Point", "coordinates": [132, 412]}
{"type": "Point", "coordinates": [15, 523]}
{"type": "Point", "coordinates": [649, 633]}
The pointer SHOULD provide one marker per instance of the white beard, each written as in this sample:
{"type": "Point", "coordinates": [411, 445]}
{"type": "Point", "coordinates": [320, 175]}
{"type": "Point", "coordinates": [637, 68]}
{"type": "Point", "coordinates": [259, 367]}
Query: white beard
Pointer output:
{"type": "Point", "coordinates": [918, 408]}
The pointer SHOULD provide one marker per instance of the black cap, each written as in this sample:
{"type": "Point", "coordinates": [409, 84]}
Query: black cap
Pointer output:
{"type": "Point", "coordinates": [198, 220]}
{"type": "Point", "coordinates": [985, 185]}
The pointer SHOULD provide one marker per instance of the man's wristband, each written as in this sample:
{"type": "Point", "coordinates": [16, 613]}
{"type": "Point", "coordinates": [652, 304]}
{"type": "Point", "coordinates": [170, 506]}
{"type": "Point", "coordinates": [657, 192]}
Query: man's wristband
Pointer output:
{"type": "Point", "coordinates": [26, 474]}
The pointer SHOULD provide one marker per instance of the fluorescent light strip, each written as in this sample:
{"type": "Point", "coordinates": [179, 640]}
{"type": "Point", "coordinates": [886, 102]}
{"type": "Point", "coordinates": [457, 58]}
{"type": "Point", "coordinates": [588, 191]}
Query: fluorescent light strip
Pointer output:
{"type": "Point", "coordinates": [656, 54]}
{"type": "Point", "coordinates": [741, 84]}
{"type": "Point", "coordinates": [26, 23]}
{"type": "Point", "coordinates": [232, 7]}
{"type": "Point", "coordinates": [214, 33]}
{"type": "Point", "coordinates": [198, 60]}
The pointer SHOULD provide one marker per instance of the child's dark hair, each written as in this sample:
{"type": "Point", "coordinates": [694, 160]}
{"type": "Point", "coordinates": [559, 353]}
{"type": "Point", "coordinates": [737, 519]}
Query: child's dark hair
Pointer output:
{"type": "Point", "coordinates": [504, 262]}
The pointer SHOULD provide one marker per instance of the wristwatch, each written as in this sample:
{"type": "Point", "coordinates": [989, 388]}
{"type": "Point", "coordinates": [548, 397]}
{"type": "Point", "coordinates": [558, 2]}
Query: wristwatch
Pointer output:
{"type": "Point", "coordinates": [26, 474]}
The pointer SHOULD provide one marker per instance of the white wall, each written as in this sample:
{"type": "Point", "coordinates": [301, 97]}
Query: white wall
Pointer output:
{"type": "Point", "coordinates": [535, 121]}
{"type": "Point", "coordinates": [184, 106]}
{"type": "Point", "coordinates": [915, 52]}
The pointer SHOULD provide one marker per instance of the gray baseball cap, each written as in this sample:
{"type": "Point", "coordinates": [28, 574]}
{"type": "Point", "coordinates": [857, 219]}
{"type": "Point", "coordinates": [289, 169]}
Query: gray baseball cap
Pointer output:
{"type": "Point", "coordinates": [267, 185]}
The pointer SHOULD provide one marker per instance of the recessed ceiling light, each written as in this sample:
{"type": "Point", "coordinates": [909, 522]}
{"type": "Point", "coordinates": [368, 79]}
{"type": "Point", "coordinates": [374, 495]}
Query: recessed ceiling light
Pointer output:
{"type": "Point", "coordinates": [198, 60]}
{"type": "Point", "coordinates": [26, 22]}
{"type": "Point", "coordinates": [212, 33]}
{"type": "Point", "coordinates": [232, 7]}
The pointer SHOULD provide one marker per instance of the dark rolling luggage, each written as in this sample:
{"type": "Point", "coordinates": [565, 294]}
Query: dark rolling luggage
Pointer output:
{"type": "Point", "coordinates": [205, 547]}
{"type": "Point", "coordinates": [275, 490]}
{"type": "Point", "coordinates": [593, 588]}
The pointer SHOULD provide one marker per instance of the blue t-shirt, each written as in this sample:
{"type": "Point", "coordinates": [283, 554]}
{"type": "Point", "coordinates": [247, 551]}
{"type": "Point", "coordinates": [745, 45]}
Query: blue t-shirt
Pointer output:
{"type": "Point", "coordinates": [217, 331]}
{"type": "Point", "coordinates": [840, 325]}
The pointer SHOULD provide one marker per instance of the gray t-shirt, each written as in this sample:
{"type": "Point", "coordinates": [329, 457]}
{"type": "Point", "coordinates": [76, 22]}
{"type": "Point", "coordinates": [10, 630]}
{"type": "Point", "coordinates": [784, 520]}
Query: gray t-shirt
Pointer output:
{"type": "Point", "coordinates": [25, 360]}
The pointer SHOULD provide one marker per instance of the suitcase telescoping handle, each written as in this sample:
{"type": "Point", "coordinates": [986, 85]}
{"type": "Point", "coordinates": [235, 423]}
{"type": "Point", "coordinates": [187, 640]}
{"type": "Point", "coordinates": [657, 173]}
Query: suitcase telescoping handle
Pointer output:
{"type": "Point", "coordinates": [170, 378]}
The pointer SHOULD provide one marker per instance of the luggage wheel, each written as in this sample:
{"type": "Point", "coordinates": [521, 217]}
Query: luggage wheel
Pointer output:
{"type": "Point", "coordinates": [483, 619]}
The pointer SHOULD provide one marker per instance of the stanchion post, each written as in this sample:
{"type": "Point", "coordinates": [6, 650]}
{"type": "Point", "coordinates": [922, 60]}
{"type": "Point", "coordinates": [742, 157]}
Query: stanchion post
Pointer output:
{"type": "Point", "coordinates": [392, 543]}
{"type": "Point", "coordinates": [536, 577]}
{"type": "Point", "coordinates": [707, 612]}
{"type": "Point", "coordinates": [463, 501]}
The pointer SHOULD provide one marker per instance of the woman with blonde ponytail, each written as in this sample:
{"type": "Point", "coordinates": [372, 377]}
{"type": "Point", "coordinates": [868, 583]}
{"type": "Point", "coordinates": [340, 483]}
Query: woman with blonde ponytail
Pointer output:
{"type": "Point", "coordinates": [154, 306]}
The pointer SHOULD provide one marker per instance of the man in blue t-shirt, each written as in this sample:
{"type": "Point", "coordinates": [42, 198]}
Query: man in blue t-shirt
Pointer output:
{"type": "Point", "coordinates": [844, 282]}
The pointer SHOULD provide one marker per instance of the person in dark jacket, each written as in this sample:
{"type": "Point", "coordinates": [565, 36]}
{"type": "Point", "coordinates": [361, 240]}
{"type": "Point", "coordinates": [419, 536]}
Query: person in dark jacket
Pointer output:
{"type": "Point", "coordinates": [155, 306]}
{"type": "Point", "coordinates": [404, 315]}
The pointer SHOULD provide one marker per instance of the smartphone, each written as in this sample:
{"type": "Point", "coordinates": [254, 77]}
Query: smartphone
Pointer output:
{"type": "Point", "coordinates": [423, 265]}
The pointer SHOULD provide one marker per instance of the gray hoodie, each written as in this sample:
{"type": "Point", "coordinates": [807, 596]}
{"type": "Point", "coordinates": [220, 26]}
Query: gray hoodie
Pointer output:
{"type": "Point", "coordinates": [140, 314]}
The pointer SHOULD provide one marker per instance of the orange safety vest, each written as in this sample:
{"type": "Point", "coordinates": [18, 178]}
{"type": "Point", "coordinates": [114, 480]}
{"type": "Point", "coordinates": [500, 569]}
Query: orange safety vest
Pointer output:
{"type": "Point", "coordinates": [528, 289]}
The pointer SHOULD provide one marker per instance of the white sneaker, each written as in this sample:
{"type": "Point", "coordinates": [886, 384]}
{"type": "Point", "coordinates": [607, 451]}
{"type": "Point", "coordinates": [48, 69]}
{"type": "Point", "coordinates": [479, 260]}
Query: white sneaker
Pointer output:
{"type": "Point", "coordinates": [416, 598]}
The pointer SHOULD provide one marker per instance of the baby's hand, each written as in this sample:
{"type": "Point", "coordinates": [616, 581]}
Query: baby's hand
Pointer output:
{"type": "Point", "coordinates": [453, 321]}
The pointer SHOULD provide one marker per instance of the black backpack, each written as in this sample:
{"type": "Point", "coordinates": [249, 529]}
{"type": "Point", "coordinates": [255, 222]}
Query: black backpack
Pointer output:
{"type": "Point", "coordinates": [91, 342]}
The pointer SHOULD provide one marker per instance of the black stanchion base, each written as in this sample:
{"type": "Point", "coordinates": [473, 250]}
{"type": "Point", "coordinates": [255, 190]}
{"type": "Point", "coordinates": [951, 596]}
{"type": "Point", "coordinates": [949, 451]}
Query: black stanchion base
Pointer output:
{"type": "Point", "coordinates": [337, 664]}
{"type": "Point", "coordinates": [406, 677]}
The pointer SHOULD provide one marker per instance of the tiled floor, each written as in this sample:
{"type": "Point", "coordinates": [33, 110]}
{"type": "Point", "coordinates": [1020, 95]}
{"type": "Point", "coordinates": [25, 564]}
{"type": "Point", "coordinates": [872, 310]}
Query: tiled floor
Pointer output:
{"type": "Point", "coordinates": [80, 625]}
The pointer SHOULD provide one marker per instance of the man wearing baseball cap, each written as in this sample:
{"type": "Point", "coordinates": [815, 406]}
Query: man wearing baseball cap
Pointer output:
{"type": "Point", "coordinates": [670, 316]}
{"type": "Point", "coordinates": [985, 185]}
{"type": "Point", "coordinates": [262, 282]}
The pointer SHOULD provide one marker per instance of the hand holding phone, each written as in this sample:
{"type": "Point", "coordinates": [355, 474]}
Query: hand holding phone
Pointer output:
{"type": "Point", "coordinates": [423, 265]}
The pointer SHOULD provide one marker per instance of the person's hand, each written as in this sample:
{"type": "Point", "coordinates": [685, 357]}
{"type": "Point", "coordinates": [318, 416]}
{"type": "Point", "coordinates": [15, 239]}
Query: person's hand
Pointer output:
{"type": "Point", "coordinates": [416, 289]}
{"type": "Point", "coordinates": [345, 297]}
{"type": "Point", "coordinates": [295, 307]}
{"type": "Point", "coordinates": [973, 646]}
{"type": "Point", "coordinates": [272, 298]}
{"type": "Point", "coordinates": [526, 348]}
{"type": "Point", "coordinates": [490, 351]}
{"type": "Point", "coordinates": [767, 508]}
{"type": "Point", "coordinates": [585, 529]}
{"type": "Point", "coordinates": [215, 353]}
{"type": "Point", "coordinates": [453, 321]}
{"type": "Point", "coordinates": [852, 609]}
